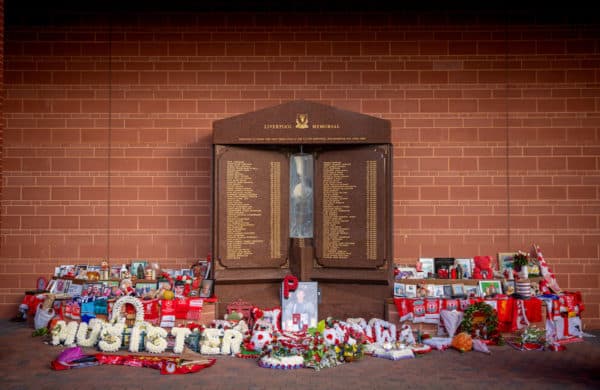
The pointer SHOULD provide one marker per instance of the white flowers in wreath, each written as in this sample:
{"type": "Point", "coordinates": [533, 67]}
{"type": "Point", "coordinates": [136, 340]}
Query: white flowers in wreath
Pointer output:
{"type": "Point", "coordinates": [136, 335]}
{"type": "Point", "coordinates": [180, 335]}
{"type": "Point", "coordinates": [87, 335]}
{"type": "Point", "coordinates": [112, 336]}
{"type": "Point", "coordinates": [137, 304]}
{"type": "Point", "coordinates": [64, 332]}
{"type": "Point", "coordinates": [156, 340]}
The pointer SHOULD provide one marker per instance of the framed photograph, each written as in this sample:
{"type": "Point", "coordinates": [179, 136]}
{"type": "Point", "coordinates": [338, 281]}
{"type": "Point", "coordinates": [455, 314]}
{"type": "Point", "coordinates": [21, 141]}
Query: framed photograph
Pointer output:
{"type": "Point", "coordinates": [431, 289]}
{"type": "Point", "coordinates": [200, 269]}
{"type": "Point", "coordinates": [489, 288]}
{"type": "Point", "coordinates": [411, 290]}
{"type": "Point", "coordinates": [80, 269]}
{"type": "Point", "coordinates": [534, 269]}
{"type": "Point", "coordinates": [111, 287]}
{"type": "Point", "coordinates": [407, 273]}
{"type": "Point", "coordinates": [471, 291]}
{"type": "Point", "coordinates": [458, 290]}
{"type": "Point", "coordinates": [447, 290]}
{"type": "Point", "coordinates": [466, 267]}
{"type": "Point", "coordinates": [443, 264]}
{"type": "Point", "coordinates": [206, 288]}
{"type": "Point", "coordinates": [509, 287]}
{"type": "Point", "coordinates": [399, 289]}
{"type": "Point", "coordinates": [187, 272]}
{"type": "Point", "coordinates": [144, 289]}
{"type": "Point", "coordinates": [505, 260]}
{"type": "Point", "coordinates": [66, 270]}
{"type": "Point", "coordinates": [439, 291]}
{"type": "Point", "coordinates": [50, 285]}
{"type": "Point", "coordinates": [300, 310]}
{"type": "Point", "coordinates": [427, 266]}
{"type": "Point", "coordinates": [61, 286]}
{"type": "Point", "coordinates": [115, 272]}
{"type": "Point", "coordinates": [75, 289]}
{"type": "Point", "coordinates": [91, 291]}
{"type": "Point", "coordinates": [136, 271]}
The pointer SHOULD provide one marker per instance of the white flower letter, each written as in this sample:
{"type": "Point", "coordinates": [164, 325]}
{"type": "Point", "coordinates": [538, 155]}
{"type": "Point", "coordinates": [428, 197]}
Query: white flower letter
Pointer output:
{"type": "Point", "coordinates": [65, 333]}
{"type": "Point", "coordinates": [87, 335]}
{"type": "Point", "coordinates": [232, 339]}
{"type": "Point", "coordinates": [180, 335]}
{"type": "Point", "coordinates": [210, 342]}
{"type": "Point", "coordinates": [112, 337]}
{"type": "Point", "coordinates": [156, 340]}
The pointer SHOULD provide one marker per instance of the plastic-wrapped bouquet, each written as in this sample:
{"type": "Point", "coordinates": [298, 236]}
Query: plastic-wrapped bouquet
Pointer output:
{"type": "Point", "coordinates": [529, 339]}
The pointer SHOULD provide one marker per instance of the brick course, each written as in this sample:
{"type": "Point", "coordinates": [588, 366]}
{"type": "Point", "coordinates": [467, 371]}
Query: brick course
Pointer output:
{"type": "Point", "coordinates": [457, 96]}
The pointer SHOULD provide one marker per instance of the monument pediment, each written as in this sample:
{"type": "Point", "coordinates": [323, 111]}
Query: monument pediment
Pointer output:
{"type": "Point", "coordinates": [302, 122]}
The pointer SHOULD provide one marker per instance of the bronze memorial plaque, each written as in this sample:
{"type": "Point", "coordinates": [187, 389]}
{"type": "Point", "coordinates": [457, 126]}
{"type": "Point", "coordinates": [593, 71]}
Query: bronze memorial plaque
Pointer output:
{"type": "Point", "coordinates": [350, 204]}
{"type": "Point", "coordinates": [252, 210]}
{"type": "Point", "coordinates": [304, 188]}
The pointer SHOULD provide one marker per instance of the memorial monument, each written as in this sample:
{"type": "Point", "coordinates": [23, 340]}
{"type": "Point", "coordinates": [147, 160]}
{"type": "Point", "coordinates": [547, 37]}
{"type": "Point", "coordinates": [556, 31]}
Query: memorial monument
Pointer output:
{"type": "Point", "coordinates": [304, 188]}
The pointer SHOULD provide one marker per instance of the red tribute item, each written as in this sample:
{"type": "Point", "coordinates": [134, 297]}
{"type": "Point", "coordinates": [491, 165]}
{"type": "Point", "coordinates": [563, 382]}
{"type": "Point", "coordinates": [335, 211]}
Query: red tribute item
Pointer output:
{"type": "Point", "coordinates": [166, 365]}
{"type": "Point", "coordinates": [290, 283]}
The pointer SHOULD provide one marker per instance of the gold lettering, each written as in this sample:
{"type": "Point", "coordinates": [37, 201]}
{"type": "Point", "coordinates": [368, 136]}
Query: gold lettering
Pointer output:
{"type": "Point", "coordinates": [336, 211]}
{"type": "Point", "coordinates": [371, 209]}
{"type": "Point", "coordinates": [241, 215]}
{"type": "Point", "coordinates": [277, 126]}
{"type": "Point", "coordinates": [275, 209]}
{"type": "Point", "coordinates": [326, 126]}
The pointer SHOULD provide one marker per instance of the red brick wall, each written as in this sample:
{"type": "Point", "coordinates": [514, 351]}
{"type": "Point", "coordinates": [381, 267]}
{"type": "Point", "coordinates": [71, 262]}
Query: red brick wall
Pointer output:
{"type": "Point", "coordinates": [1, 105]}
{"type": "Point", "coordinates": [459, 90]}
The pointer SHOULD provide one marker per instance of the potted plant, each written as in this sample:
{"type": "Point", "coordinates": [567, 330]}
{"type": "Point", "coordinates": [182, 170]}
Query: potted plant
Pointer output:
{"type": "Point", "coordinates": [520, 262]}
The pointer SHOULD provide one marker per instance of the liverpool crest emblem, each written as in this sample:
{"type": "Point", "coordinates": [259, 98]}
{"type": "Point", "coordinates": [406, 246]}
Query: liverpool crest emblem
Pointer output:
{"type": "Point", "coordinates": [302, 121]}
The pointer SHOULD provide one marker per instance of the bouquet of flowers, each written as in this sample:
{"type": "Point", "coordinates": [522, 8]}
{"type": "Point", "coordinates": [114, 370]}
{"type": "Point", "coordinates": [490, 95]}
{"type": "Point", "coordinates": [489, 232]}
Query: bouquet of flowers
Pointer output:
{"type": "Point", "coordinates": [529, 339]}
{"type": "Point", "coordinates": [520, 259]}
{"type": "Point", "coordinates": [317, 354]}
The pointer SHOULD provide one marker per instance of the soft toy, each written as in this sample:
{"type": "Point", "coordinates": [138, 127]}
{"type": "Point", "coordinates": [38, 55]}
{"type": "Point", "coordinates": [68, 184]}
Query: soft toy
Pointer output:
{"type": "Point", "coordinates": [483, 269]}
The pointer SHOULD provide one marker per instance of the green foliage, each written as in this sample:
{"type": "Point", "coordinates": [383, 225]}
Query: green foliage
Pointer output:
{"type": "Point", "coordinates": [489, 326]}
{"type": "Point", "coordinates": [532, 334]}
{"type": "Point", "coordinates": [520, 259]}
{"type": "Point", "coordinates": [40, 332]}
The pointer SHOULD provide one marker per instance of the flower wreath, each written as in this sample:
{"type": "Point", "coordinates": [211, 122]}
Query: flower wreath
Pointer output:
{"type": "Point", "coordinates": [137, 304]}
{"type": "Point", "coordinates": [490, 318]}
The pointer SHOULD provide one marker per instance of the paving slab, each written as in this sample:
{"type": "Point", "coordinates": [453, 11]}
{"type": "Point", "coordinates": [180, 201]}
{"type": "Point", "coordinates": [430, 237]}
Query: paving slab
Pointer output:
{"type": "Point", "coordinates": [25, 364]}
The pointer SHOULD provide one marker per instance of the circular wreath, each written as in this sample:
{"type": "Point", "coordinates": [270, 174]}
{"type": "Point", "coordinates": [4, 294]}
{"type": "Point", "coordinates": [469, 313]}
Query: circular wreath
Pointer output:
{"type": "Point", "coordinates": [137, 304]}
{"type": "Point", "coordinates": [490, 318]}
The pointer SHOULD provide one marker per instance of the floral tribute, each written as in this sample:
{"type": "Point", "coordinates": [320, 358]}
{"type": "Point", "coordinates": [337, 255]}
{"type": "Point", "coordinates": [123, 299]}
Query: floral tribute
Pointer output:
{"type": "Point", "coordinates": [480, 320]}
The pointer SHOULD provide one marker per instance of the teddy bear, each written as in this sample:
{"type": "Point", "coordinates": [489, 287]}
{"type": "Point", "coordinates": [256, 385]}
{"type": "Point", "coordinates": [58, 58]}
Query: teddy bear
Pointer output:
{"type": "Point", "coordinates": [483, 269]}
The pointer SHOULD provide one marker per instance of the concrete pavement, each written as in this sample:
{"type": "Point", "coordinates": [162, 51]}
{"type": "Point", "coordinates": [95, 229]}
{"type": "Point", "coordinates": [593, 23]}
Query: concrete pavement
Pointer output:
{"type": "Point", "coordinates": [25, 364]}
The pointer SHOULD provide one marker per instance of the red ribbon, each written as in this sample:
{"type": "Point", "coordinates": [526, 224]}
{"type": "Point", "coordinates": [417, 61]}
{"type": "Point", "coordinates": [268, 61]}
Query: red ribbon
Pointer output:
{"type": "Point", "coordinates": [290, 283]}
